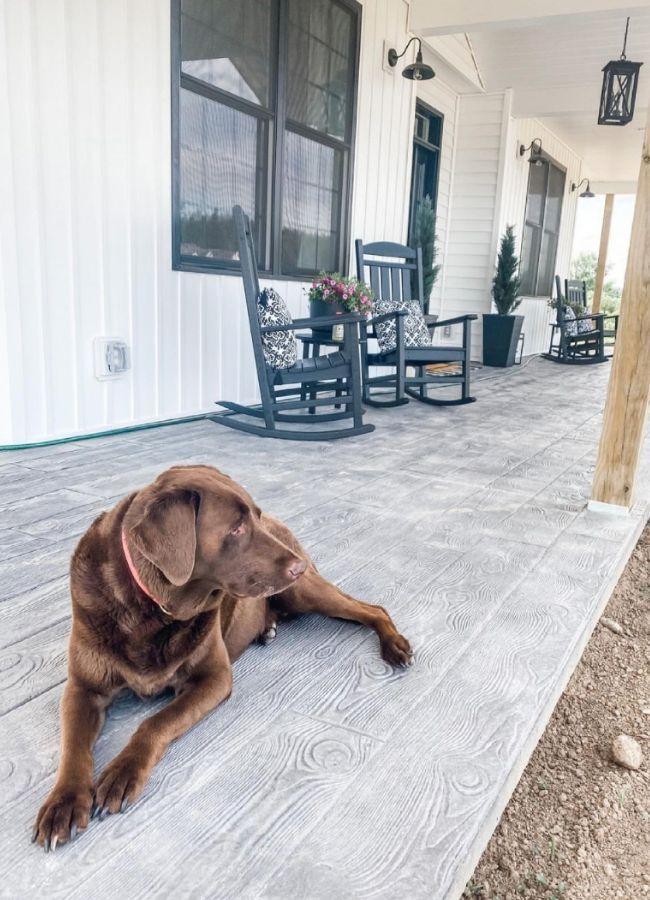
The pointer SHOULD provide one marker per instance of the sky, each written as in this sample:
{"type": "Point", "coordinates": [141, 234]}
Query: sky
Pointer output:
{"type": "Point", "coordinates": [587, 234]}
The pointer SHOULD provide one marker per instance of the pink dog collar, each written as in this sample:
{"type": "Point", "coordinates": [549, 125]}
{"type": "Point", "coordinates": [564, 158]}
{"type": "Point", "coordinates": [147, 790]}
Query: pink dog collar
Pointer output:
{"type": "Point", "coordinates": [135, 575]}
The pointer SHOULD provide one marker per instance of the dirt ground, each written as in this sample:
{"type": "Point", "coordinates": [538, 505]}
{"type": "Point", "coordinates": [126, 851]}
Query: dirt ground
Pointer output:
{"type": "Point", "coordinates": [578, 826]}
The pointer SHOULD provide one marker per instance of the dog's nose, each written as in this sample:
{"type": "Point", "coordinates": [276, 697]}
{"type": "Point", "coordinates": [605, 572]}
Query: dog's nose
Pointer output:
{"type": "Point", "coordinates": [297, 568]}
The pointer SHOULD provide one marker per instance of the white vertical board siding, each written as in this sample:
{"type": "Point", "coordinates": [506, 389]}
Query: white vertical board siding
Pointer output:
{"type": "Point", "coordinates": [476, 195]}
{"type": "Point", "coordinates": [522, 131]}
{"type": "Point", "coordinates": [85, 217]}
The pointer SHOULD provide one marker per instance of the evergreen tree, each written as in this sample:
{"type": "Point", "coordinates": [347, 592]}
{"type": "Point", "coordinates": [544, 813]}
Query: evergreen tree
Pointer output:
{"type": "Point", "coordinates": [424, 235]}
{"type": "Point", "coordinates": [506, 282]}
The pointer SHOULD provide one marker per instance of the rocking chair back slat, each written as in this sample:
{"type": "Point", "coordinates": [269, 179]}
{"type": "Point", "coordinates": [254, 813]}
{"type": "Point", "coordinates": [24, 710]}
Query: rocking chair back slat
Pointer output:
{"type": "Point", "coordinates": [407, 293]}
{"type": "Point", "coordinates": [251, 281]}
{"type": "Point", "coordinates": [396, 284]}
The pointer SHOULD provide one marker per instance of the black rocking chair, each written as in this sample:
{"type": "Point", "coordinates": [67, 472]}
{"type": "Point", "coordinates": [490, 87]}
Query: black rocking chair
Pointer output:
{"type": "Point", "coordinates": [569, 345]}
{"type": "Point", "coordinates": [393, 271]}
{"type": "Point", "coordinates": [318, 376]}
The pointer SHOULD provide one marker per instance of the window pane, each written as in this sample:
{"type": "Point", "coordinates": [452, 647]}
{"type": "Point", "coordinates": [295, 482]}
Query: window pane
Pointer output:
{"type": "Point", "coordinates": [529, 254]}
{"type": "Point", "coordinates": [228, 44]}
{"type": "Point", "coordinates": [222, 161]}
{"type": "Point", "coordinates": [537, 176]}
{"type": "Point", "coordinates": [547, 254]}
{"type": "Point", "coordinates": [311, 215]}
{"type": "Point", "coordinates": [554, 199]}
{"type": "Point", "coordinates": [320, 65]}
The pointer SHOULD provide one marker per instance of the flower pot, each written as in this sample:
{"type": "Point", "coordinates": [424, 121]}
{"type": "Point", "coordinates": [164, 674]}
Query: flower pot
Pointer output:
{"type": "Point", "coordinates": [500, 339]}
{"type": "Point", "coordinates": [319, 309]}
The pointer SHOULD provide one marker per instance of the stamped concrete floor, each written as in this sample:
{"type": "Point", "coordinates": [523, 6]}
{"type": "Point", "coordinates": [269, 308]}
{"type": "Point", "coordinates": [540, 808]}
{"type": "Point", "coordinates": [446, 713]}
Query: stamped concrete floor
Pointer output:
{"type": "Point", "coordinates": [328, 775]}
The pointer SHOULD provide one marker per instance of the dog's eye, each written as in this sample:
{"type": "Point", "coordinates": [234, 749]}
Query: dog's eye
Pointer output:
{"type": "Point", "coordinates": [240, 529]}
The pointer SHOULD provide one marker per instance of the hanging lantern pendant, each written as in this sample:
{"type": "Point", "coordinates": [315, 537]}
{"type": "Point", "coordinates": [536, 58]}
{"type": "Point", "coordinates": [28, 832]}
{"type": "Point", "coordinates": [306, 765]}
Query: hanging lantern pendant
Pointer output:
{"type": "Point", "coordinates": [618, 96]}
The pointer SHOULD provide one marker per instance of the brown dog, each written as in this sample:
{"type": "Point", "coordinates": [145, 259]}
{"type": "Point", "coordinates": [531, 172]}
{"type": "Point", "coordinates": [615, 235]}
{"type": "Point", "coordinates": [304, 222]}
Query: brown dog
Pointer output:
{"type": "Point", "coordinates": [168, 588]}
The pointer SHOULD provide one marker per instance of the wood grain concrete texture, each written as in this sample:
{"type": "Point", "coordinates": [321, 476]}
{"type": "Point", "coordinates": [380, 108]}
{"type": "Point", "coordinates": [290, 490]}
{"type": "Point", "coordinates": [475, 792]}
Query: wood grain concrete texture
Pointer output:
{"type": "Point", "coordinates": [328, 774]}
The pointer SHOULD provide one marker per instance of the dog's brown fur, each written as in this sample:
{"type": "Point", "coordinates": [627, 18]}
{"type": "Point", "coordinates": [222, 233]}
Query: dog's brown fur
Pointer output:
{"type": "Point", "coordinates": [221, 570]}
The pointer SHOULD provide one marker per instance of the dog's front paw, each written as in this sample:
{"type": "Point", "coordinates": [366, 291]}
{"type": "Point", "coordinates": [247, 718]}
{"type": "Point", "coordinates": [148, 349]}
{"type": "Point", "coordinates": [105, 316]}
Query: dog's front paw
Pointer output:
{"type": "Point", "coordinates": [120, 784]}
{"type": "Point", "coordinates": [66, 811]}
{"type": "Point", "coordinates": [269, 634]}
{"type": "Point", "coordinates": [396, 650]}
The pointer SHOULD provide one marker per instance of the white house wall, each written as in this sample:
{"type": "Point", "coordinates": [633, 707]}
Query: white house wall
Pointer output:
{"type": "Point", "coordinates": [85, 211]}
{"type": "Point", "coordinates": [476, 190]}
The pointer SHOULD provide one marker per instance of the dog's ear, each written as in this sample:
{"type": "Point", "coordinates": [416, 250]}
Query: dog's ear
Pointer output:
{"type": "Point", "coordinates": [166, 534]}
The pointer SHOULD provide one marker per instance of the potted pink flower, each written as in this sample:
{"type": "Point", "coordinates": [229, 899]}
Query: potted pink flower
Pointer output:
{"type": "Point", "coordinates": [333, 294]}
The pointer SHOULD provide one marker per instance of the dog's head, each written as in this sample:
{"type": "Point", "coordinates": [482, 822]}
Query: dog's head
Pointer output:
{"type": "Point", "coordinates": [204, 534]}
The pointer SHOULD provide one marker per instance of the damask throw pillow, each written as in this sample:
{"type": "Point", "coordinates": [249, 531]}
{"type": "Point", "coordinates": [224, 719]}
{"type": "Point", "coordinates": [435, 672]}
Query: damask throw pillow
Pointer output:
{"type": "Point", "coordinates": [570, 320]}
{"type": "Point", "coordinates": [416, 333]}
{"type": "Point", "coordinates": [280, 347]}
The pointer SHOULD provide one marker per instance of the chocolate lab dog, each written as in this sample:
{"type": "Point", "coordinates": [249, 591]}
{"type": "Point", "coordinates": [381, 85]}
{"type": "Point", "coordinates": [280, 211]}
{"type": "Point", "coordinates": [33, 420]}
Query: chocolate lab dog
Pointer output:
{"type": "Point", "coordinates": [168, 589]}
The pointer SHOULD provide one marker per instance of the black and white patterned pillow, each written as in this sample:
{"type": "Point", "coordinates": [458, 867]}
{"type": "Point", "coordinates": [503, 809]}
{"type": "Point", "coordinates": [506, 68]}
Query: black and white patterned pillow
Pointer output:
{"type": "Point", "coordinates": [280, 347]}
{"type": "Point", "coordinates": [416, 333]}
{"type": "Point", "coordinates": [570, 321]}
{"type": "Point", "coordinates": [586, 325]}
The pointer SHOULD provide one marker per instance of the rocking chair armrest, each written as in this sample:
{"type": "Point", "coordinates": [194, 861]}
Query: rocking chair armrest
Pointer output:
{"type": "Point", "coordinates": [610, 315]}
{"type": "Point", "coordinates": [456, 321]}
{"type": "Point", "coordinates": [385, 316]}
{"type": "Point", "coordinates": [312, 323]}
{"type": "Point", "coordinates": [588, 316]}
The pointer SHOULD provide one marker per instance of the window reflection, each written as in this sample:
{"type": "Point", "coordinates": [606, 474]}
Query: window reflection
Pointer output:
{"type": "Point", "coordinates": [219, 168]}
{"type": "Point", "coordinates": [311, 204]}
{"type": "Point", "coordinates": [227, 44]}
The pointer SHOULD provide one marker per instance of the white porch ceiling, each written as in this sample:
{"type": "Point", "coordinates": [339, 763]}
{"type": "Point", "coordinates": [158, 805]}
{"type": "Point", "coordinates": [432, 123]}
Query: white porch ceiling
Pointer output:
{"type": "Point", "coordinates": [553, 64]}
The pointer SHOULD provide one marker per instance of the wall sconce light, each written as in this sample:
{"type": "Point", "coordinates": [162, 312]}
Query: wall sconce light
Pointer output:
{"type": "Point", "coordinates": [417, 71]}
{"type": "Point", "coordinates": [587, 191]}
{"type": "Point", "coordinates": [535, 148]}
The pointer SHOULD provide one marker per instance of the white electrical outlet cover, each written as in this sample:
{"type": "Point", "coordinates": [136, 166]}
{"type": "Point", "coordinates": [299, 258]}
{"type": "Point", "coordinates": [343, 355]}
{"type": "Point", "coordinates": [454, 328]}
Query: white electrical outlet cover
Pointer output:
{"type": "Point", "coordinates": [111, 357]}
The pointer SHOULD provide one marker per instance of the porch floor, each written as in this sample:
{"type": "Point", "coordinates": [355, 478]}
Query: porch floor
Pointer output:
{"type": "Point", "coordinates": [328, 774]}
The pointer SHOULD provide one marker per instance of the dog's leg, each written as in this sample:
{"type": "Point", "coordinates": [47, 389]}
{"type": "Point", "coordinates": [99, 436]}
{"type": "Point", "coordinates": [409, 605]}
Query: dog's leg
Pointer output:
{"type": "Point", "coordinates": [270, 627]}
{"type": "Point", "coordinates": [67, 809]}
{"type": "Point", "coordinates": [312, 593]}
{"type": "Point", "coordinates": [124, 779]}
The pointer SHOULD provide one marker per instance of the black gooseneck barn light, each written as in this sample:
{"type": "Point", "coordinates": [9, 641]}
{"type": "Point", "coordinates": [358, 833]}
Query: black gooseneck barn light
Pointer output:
{"type": "Point", "coordinates": [618, 95]}
{"type": "Point", "coordinates": [417, 71]}
{"type": "Point", "coordinates": [535, 148]}
{"type": "Point", "coordinates": [587, 191]}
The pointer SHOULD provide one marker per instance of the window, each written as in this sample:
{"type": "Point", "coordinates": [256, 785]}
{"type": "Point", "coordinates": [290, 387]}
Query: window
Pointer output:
{"type": "Point", "coordinates": [427, 139]}
{"type": "Point", "coordinates": [263, 95]}
{"type": "Point", "coordinates": [541, 227]}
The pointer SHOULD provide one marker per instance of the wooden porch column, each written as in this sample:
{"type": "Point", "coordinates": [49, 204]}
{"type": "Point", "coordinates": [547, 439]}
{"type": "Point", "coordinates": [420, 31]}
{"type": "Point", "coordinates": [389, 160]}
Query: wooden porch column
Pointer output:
{"type": "Point", "coordinates": [629, 382]}
{"type": "Point", "coordinates": [602, 252]}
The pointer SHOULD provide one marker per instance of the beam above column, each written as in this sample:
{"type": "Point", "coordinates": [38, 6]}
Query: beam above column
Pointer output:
{"type": "Point", "coordinates": [452, 16]}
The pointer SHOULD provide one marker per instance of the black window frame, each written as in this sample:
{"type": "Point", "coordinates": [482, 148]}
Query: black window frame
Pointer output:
{"type": "Point", "coordinates": [547, 161]}
{"type": "Point", "coordinates": [278, 125]}
{"type": "Point", "coordinates": [430, 112]}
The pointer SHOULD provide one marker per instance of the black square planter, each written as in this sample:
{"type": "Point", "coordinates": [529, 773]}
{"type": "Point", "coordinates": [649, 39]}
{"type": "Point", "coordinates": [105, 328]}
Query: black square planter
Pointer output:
{"type": "Point", "coordinates": [500, 339]}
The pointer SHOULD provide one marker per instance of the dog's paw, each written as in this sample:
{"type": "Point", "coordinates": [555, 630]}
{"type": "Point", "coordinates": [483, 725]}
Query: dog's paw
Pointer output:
{"type": "Point", "coordinates": [396, 650]}
{"type": "Point", "coordinates": [269, 634]}
{"type": "Point", "coordinates": [66, 811]}
{"type": "Point", "coordinates": [119, 785]}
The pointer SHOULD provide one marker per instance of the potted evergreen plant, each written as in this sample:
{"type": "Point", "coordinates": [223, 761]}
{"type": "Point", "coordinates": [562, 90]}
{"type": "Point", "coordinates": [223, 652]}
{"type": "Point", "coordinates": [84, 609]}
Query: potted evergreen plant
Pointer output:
{"type": "Point", "coordinates": [424, 235]}
{"type": "Point", "coordinates": [501, 330]}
